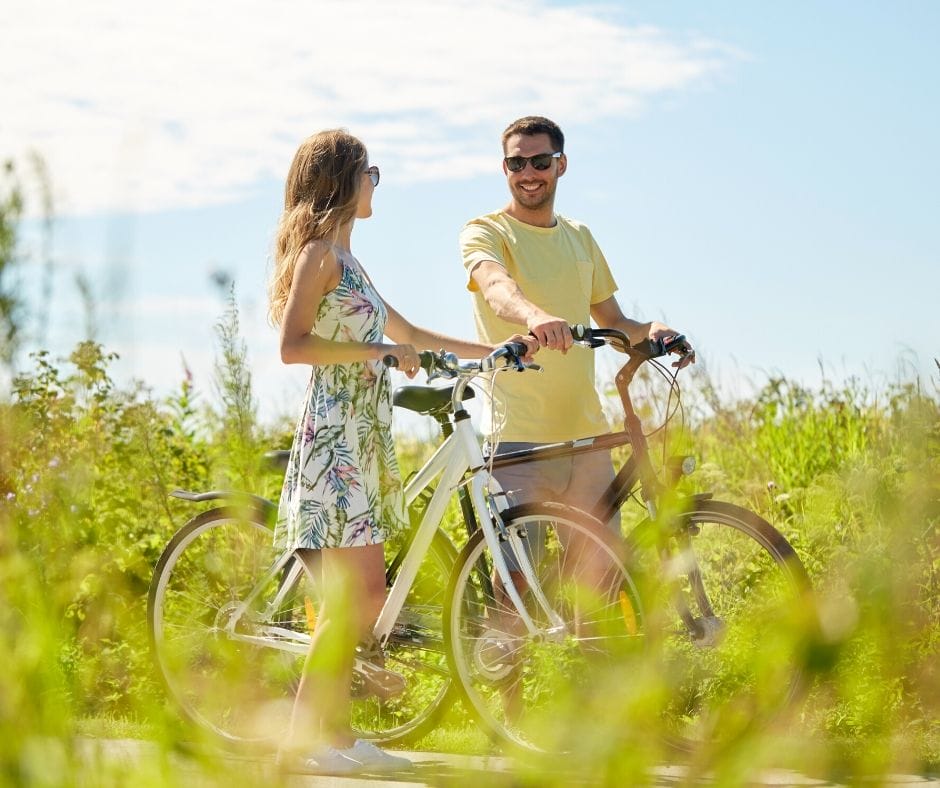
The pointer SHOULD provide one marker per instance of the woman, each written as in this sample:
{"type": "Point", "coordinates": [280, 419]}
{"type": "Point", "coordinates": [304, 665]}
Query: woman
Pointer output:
{"type": "Point", "coordinates": [342, 492]}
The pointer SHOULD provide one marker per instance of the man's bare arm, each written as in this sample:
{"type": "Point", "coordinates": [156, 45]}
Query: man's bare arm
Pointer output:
{"type": "Point", "coordinates": [608, 314]}
{"type": "Point", "coordinates": [507, 300]}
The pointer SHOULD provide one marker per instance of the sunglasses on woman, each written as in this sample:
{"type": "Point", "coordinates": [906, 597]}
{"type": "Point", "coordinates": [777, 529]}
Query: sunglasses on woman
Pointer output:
{"type": "Point", "coordinates": [373, 173]}
{"type": "Point", "coordinates": [541, 161]}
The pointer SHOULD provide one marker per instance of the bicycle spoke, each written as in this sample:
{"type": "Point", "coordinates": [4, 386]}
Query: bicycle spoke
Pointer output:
{"type": "Point", "coordinates": [519, 684]}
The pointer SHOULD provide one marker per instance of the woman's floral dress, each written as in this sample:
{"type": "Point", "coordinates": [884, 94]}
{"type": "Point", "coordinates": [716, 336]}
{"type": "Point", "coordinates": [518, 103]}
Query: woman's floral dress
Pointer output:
{"type": "Point", "coordinates": [342, 487]}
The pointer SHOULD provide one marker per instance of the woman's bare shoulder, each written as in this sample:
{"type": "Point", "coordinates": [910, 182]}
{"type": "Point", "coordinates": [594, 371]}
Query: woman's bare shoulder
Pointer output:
{"type": "Point", "coordinates": [318, 259]}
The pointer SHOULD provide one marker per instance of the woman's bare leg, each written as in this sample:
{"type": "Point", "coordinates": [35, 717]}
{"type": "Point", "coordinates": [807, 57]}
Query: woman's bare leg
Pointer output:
{"type": "Point", "coordinates": [353, 584]}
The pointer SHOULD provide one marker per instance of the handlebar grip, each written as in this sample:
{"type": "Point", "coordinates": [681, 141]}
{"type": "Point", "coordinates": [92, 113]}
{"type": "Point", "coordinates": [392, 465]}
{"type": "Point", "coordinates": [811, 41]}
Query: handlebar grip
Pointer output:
{"type": "Point", "coordinates": [654, 348]}
{"type": "Point", "coordinates": [677, 343]}
{"type": "Point", "coordinates": [425, 357]}
{"type": "Point", "coordinates": [516, 348]}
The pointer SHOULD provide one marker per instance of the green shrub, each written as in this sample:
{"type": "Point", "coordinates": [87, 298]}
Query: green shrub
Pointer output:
{"type": "Point", "coordinates": [86, 469]}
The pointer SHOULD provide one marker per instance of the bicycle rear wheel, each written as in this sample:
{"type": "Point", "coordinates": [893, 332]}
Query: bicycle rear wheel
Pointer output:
{"type": "Point", "coordinates": [544, 691]}
{"type": "Point", "coordinates": [238, 682]}
{"type": "Point", "coordinates": [230, 674]}
{"type": "Point", "coordinates": [735, 659]}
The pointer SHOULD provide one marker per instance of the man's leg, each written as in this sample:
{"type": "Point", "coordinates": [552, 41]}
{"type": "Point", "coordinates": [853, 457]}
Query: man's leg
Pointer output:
{"type": "Point", "coordinates": [589, 566]}
{"type": "Point", "coordinates": [523, 482]}
{"type": "Point", "coordinates": [590, 475]}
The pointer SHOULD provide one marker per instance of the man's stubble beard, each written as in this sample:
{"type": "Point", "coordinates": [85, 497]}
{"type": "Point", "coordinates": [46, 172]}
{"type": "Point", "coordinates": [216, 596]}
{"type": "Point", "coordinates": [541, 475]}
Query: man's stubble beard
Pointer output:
{"type": "Point", "coordinates": [526, 200]}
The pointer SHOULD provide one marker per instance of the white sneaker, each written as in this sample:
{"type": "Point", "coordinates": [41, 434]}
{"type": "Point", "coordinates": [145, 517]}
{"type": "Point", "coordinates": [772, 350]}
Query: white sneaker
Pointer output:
{"type": "Point", "coordinates": [371, 758]}
{"type": "Point", "coordinates": [327, 760]}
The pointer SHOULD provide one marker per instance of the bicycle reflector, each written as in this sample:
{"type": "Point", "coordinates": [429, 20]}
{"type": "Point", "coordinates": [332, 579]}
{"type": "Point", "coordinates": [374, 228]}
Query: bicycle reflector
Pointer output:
{"type": "Point", "coordinates": [628, 613]}
{"type": "Point", "coordinates": [680, 466]}
{"type": "Point", "coordinates": [310, 614]}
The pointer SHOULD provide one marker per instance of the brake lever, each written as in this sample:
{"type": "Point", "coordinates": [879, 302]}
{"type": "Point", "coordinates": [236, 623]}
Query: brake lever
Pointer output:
{"type": "Point", "coordinates": [446, 367]}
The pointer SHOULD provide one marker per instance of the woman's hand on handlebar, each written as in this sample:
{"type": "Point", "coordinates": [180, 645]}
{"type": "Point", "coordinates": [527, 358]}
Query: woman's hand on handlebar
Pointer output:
{"type": "Point", "coordinates": [660, 331]}
{"type": "Point", "coordinates": [406, 358]}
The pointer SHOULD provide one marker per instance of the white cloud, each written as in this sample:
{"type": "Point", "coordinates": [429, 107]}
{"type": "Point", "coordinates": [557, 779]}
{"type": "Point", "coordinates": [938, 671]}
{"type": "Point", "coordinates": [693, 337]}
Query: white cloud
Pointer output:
{"type": "Point", "coordinates": [174, 104]}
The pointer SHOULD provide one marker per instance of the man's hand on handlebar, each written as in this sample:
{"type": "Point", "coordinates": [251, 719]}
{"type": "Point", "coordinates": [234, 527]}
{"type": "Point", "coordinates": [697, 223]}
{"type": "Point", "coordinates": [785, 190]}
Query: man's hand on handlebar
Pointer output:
{"type": "Point", "coordinates": [660, 331]}
{"type": "Point", "coordinates": [656, 341]}
{"type": "Point", "coordinates": [550, 331]}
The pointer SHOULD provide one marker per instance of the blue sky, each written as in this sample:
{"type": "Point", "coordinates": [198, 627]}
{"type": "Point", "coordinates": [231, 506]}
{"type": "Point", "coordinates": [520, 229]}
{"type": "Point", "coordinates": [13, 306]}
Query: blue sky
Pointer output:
{"type": "Point", "coordinates": [763, 176]}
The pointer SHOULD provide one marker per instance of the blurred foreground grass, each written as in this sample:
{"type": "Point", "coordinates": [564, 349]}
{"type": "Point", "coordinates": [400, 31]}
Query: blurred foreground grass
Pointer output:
{"type": "Point", "coordinates": [851, 476]}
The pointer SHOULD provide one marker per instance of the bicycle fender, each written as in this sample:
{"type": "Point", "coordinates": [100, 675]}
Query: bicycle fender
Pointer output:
{"type": "Point", "coordinates": [694, 499]}
{"type": "Point", "coordinates": [265, 506]}
{"type": "Point", "coordinates": [649, 532]}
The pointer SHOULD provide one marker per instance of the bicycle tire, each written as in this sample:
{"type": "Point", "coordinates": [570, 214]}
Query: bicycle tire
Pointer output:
{"type": "Point", "coordinates": [741, 663]}
{"type": "Point", "coordinates": [519, 687]}
{"type": "Point", "coordinates": [239, 692]}
{"type": "Point", "coordinates": [228, 688]}
{"type": "Point", "coordinates": [415, 650]}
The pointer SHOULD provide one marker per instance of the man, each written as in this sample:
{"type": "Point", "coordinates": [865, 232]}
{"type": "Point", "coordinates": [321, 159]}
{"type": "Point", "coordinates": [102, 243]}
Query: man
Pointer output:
{"type": "Point", "coordinates": [528, 266]}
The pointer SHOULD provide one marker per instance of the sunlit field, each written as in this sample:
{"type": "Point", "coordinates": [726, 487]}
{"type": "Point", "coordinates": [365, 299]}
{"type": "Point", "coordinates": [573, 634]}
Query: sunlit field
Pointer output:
{"type": "Point", "coordinates": [850, 475]}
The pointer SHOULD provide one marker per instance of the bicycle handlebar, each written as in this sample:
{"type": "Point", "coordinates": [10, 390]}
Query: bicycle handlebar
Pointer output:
{"type": "Point", "coordinates": [648, 348]}
{"type": "Point", "coordinates": [449, 365]}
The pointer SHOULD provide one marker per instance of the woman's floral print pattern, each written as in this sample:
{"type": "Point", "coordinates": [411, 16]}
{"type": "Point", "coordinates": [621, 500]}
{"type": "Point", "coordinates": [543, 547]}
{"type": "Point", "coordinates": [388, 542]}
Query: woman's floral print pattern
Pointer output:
{"type": "Point", "coordinates": [342, 487]}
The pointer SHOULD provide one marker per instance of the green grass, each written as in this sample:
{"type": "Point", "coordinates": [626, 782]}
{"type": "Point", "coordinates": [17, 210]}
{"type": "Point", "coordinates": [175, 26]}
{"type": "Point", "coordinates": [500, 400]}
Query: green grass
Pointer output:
{"type": "Point", "coordinates": [849, 474]}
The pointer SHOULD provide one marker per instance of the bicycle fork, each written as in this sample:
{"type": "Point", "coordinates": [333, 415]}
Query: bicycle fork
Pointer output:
{"type": "Point", "coordinates": [706, 629]}
{"type": "Point", "coordinates": [484, 491]}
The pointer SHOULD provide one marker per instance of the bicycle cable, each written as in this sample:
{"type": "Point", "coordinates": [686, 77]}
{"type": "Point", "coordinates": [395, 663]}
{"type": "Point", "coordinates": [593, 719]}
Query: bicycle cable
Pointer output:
{"type": "Point", "coordinates": [675, 395]}
{"type": "Point", "coordinates": [670, 378]}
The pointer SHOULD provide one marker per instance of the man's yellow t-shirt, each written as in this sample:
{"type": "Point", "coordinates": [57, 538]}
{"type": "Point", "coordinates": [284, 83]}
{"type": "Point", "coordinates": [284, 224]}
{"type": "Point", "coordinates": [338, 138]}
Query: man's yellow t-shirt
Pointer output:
{"type": "Point", "coordinates": [562, 270]}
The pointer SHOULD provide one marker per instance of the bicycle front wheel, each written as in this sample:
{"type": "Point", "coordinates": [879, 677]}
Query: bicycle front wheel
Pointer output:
{"type": "Point", "coordinates": [544, 690]}
{"type": "Point", "coordinates": [414, 652]}
{"type": "Point", "coordinates": [232, 668]}
{"type": "Point", "coordinates": [733, 658]}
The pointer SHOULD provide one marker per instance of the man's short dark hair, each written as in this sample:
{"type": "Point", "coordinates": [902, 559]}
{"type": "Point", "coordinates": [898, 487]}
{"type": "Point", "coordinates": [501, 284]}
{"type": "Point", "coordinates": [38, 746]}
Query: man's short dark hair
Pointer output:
{"type": "Point", "coordinates": [531, 125]}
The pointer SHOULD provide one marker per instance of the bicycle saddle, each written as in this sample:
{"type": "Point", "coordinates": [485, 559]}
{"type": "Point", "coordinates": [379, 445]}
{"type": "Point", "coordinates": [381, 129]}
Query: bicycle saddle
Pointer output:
{"type": "Point", "coordinates": [427, 399]}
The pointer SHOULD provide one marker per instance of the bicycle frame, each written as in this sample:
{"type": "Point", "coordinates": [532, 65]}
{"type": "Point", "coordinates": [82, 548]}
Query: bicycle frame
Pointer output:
{"type": "Point", "coordinates": [619, 489]}
{"type": "Point", "coordinates": [459, 454]}
{"type": "Point", "coordinates": [637, 471]}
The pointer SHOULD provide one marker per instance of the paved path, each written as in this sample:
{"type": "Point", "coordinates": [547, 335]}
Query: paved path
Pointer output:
{"type": "Point", "coordinates": [430, 769]}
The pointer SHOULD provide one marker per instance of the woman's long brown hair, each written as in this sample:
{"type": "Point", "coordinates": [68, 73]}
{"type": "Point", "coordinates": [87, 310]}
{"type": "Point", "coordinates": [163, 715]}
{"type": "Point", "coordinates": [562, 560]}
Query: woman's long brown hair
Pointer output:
{"type": "Point", "coordinates": [320, 196]}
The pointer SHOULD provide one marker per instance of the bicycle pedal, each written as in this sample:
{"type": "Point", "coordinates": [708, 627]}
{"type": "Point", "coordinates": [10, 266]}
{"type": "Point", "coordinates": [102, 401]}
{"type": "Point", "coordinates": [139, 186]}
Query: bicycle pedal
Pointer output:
{"type": "Point", "coordinates": [370, 679]}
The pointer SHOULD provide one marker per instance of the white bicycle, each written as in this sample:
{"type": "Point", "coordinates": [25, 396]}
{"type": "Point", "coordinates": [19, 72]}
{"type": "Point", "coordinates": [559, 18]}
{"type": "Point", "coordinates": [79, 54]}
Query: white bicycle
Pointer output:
{"type": "Point", "coordinates": [230, 619]}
